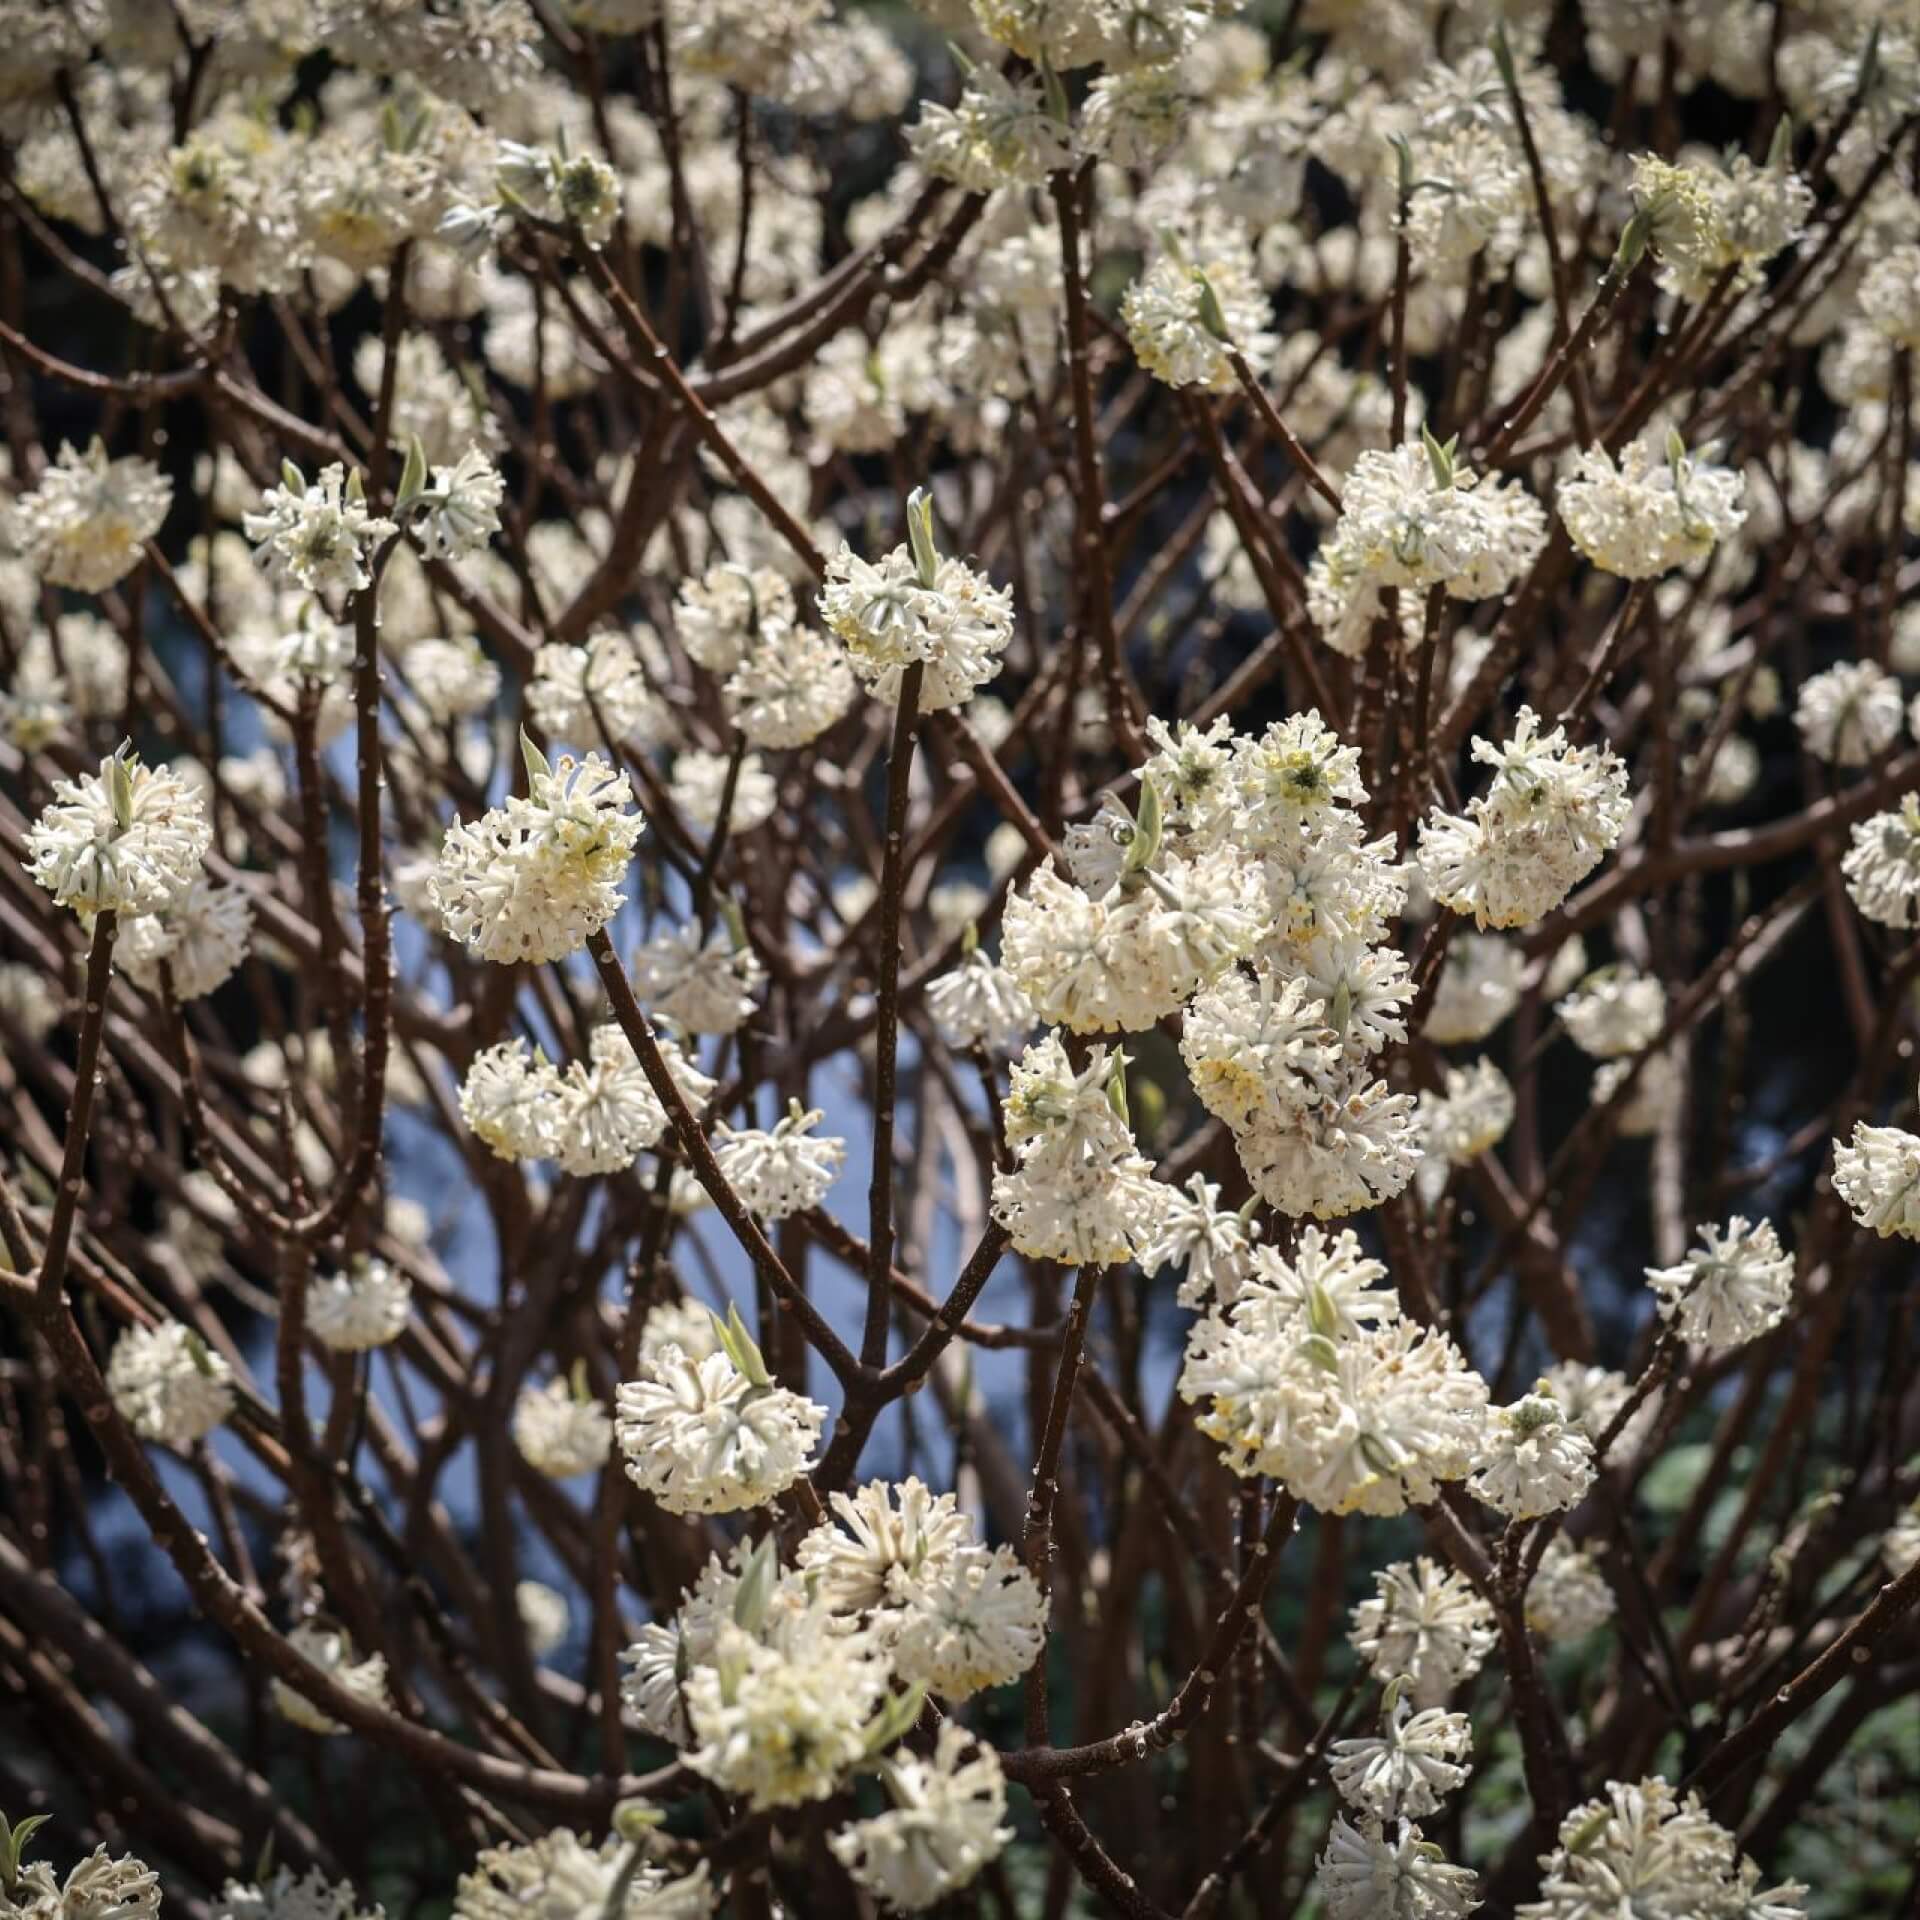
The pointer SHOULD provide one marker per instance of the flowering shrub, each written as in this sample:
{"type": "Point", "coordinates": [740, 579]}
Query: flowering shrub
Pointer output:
{"type": "Point", "coordinates": [959, 949]}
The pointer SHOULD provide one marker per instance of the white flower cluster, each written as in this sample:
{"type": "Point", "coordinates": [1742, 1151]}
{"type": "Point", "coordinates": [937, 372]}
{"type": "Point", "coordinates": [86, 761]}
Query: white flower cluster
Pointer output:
{"type": "Point", "coordinates": [285, 1895]}
{"type": "Point", "coordinates": [1551, 811]}
{"type": "Point", "coordinates": [945, 1824]}
{"type": "Point", "coordinates": [713, 1435]}
{"type": "Point", "coordinates": [456, 510]}
{"type": "Point", "coordinates": [956, 1616]}
{"type": "Point", "coordinates": [785, 682]}
{"type": "Point", "coordinates": [1890, 295]}
{"type": "Point", "coordinates": [367, 1306]}
{"type": "Point", "coordinates": [1001, 132]}
{"type": "Point", "coordinates": [1568, 1596]}
{"type": "Point", "coordinates": [911, 607]}
{"type": "Point", "coordinates": [1706, 219]}
{"type": "Point", "coordinates": [533, 879]}
{"type": "Point", "coordinates": [1850, 714]}
{"type": "Point", "coordinates": [1285, 1053]}
{"type": "Point", "coordinates": [577, 692]}
{"type": "Point", "coordinates": [563, 1873]}
{"type": "Point", "coordinates": [1734, 1286]}
{"type": "Point", "coordinates": [1535, 1460]}
{"type": "Point", "coordinates": [100, 1887]}
{"type": "Point", "coordinates": [1314, 1377]}
{"type": "Point", "coordinates": [1882, 865]}
{"type": "Point", "coordinates": [593, 1116]}
{"type": "Point", "coordinates": [1479, 986]}
{"type": "Point", "coordinates": [783, 1170]}
{"type": "Point", "coordinates": [1378, 1861]}
{"type": "Point", "coordinates": [1614, 1012]}
{"type": "Point", "coordinates": [1639, 1848]}
{"type": "Point", "coordinates": [569, 189]}
{"type": "Point", "coordinates": [168, 1385]}
{"type": "Point", "coordinates": [201, 939]}
{"type": "Point", "coordinates": [779, 1680]}
{"type": "Point", "coordinates": [1413, 519]}
{"type": "Point", "coordinates": [321, 536]}
{"type": "Point", "coordinates": [560, 1430]}
{"type": "Point", "coordinates": [1079, 1190]}
{"type": "Point", "coordinates": [1405, 1770]}
{"type": "Point", "coordinates": [1215, 1248]}
{"type": "Point", "coordinates": [979, 1004]}
{"type": "Point", "coordinates": [1103, 952]}
{"type": "Point", "coordinates": [85, 522]}
{"type": "Point", "coordinates": [703, 986]}
{"type": "Point", "coordinates": [1427, 1622]}
{"type": "Point", "coordinates": [330, 1649]}
{"type": "Point", "coordinates": [1469, 1117]}
{"type": "Point", "coordinates": [1878, 1176]}
{"type": "Point", "coordinates": [1186, 309]}
{"type": "Point", "coordinates": [1371, 1869]}
{"type": "Point", "coordinates": [128, 839]}
{"type": "Point", "coordinates": [1658, 507]}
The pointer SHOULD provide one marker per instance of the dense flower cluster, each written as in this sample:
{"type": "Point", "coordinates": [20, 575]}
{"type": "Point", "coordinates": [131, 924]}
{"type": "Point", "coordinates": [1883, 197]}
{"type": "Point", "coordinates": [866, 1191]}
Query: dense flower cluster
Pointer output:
{"type": "Point", "coordinates": [1315, 1377]}
{"type": "Point", "coordinates": [1414, 519]}
{"type": "Point", "coordinates": [1641, 1848]}
{"type": "Point", "coordinates": [1550, 813]}
{"type": "Point", "coordinates": [530, 880]}
{"type": "Point", "coordinates": [1079, 1189]}
{"type": "Point", "coordinates": [1388, 465]}
{"type": "Point", "coordinates": [912, 607]}
{"type": "Point", "coordinates": [85, 523]}
{"type": "Point", "coordinates": [128, 839]}
{"type": "Point", "coordinates": [1733, 1287]}
{"type": "Point", "coordinates": [713, 1435]}
{"type": "Point", "coordinates": [1656, 508]}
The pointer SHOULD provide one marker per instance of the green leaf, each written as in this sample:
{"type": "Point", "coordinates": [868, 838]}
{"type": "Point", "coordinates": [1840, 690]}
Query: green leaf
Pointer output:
{"type": "Point", "coordinates": [750, 1360]}
{"type": "Point", "coordinates": [1149, 828]}
{"type": "Point", "coordinates": [896, 1716]}
{"type": "Point", "coordinates": [1326, 1356]}
{"type": "Point", "coordinates": [1341, 1010]}
{"type": "Point", "coordinates": [292, 478]}
{"type": "Point", "coordinates": [1148, 1100]}
{"type": "Point", "coordinates": [1633, 241]}
{"type": "Point", "coordinates": [1590, 1830]}
{"type": "Point", "coordinates": [1321, 1312]}
{"type": "Point", "coordinates": [1403, 152]}
{"type": "Point", "coordinates": [413, 476]}
{"type": "Point", "coordinates": [535, 760]}
{"type": "Point", "coordinates": [724, 1334]}
{"type": "Point", "coordinates": [120, 787]}
{"type": "Point", "coordinates": [754, 1595]}
{"type": "Point", "coordinates": [1212, 316]}
{"type": "Point", "coordinates": [635, 1819]}
{"type": "Point", "coordinates": [926, 556]}
{"type": "Point", "coordinates": [1056, 93]}
{"type": "Point", "coordinates": [13, 1843]}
